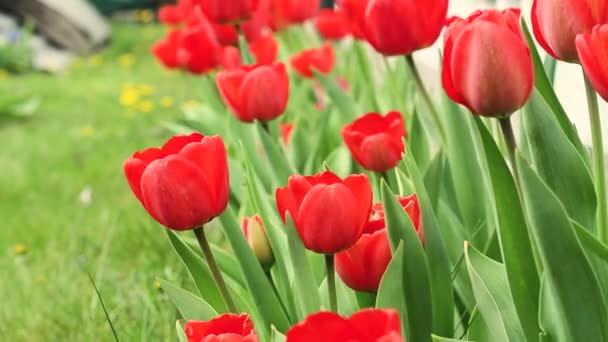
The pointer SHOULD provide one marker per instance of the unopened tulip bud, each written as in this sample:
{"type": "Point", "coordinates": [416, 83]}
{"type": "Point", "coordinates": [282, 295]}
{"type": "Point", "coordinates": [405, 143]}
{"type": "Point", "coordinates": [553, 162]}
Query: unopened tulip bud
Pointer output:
{"type": "Point", "coordinates": [255, 233]}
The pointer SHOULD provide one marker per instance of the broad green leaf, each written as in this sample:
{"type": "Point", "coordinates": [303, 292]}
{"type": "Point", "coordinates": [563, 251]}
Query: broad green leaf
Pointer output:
{"type": "Point", "coordinates": [436, 338]}
{"type": "Point", "coordinates": [416, 279]}
{"type": "Point", "coordinates": [199, 271]}
{"type": "Point", "coordinates": [246, 134]}
{"type": "Point", "coordinates": [390, 292]}
{"type": "Point", "coordinates": [418, 142]}
{"type": "Point", "coordinates": [369, 84]}
{"type": "Point", "coordinates": [276, 336]}
{"type": "Point", "coordinates": [558, 163]}
{"type": "Point", "coordinates": [340, 161]}
{"type": "Point", "coordinates": [580, 317]}
{"type": "Point", "coordinates": [493, 296]}
{"type": "Point", "coordinates": [305, 285]}
{"type": "Point", "coordinates": [597, 252]}
{"type": "Point", "coordinates": [260, 289]}
{"type": "Point", "coordinates": [515, 243]}
{"type": "Point", "coordinates": [465, 163]}
{"type": "Point", "coordinates": [544, 87]}
{"type": "Point", "coordinates": [279, 164]}
{"type": "Point", "coordinates": [439, 263]}
{"type": "Point", "coordinates": [188, 305]}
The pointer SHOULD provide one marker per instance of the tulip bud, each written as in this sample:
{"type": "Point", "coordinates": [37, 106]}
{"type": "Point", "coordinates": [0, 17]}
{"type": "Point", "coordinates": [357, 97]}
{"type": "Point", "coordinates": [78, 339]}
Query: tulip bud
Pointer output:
{"type": "Point", "coordinates": [320, 59]}
{"type": "Point", "coordinates": [487, 65]}
{"type": "Point", "coordinates": [226, 327]}
{"type": "Point", "coordinates": [557, 22]}
{"type": "Point", "coordinates": [400, 27]}
{"type": "Point", "coordinates": [255, 233]}
{"type": "Point", "coordinates": [592, 51]}
{"type": "Point", "coordinates": [376, 142]}
{"type": "Point", "coordinates": [255, 92]}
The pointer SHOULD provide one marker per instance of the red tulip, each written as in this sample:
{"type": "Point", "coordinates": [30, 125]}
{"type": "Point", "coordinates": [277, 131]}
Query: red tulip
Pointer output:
{"type": "Point", "coordinates": [320, 59]}
{"type": "Point", "coordinates": [486, 63]}
{"type": "Point", "coordinates": [255, 93]}
{"type": "Point", "coordinates": [231, 57]}
{"type": "Point", "coordinates": [375, 141]}
{"type": "Point", "coordinates": [367, 325]}
{"type": "Point", "coordinates": [254, 27]}
{"type": "Point", "coordinates": [354, 10]}
{"type": "Point", "coordinates": [166, 50]}
{"type": "Point", "coordinates": [265, 49]}
{"type": "Point", "coordinates": [170, 15]}
{"type": "Point", "coordinates": [332, 24]}
{"type": "Point", "coordinates": [329, 213]}
{"type": "Point", "coordinates": [362, 266]}
{"type": "Point", "coordinates": [183, 184]}
{"type": "Point", "coordinates": [222, 11]}
{"type": "Point", "coordinates": [286, 12]}
{"type": "Point", "coordinates": [400, 27]}
{"type": "Point", "coordinates": [225, 328]}
{"type": "Point", "coordinates": [255, 233]}
{"type": "Point", "coordinates": [199, 50]}
{"type": "Point", "coordinates": [557, 22]}
{"type": "Point", "coordinates": [592, 50]}
{"type": "Point", "coordinates": [286, 130]}
{"type": "Point", "coordinates": [226, 34]}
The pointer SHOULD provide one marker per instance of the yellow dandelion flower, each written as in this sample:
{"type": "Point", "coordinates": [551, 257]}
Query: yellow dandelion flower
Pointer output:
{"type": "Point", "coordinates": [129, 97]}
{"type": "Point", "coordinates": [145, 106]}
{"type": "Point", "coordinates": [19, 249]}
{"type": "Point", "coordinates": [96, 60]}
{"type": "Point", "coordinates": [145, 89]}
{"type": "Point", "coordinates": [126, 61]}
{"type": "Point", "coordinates": [166, 102]}
{"type": "Point", "coordinates": [144, 16]}
{"type": "Point", "coordinates": [86, 131]}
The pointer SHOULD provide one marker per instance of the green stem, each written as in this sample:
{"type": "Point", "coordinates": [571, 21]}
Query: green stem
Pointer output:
{"type": "Point", "coordinates": [425, 95]}
{"type": "Point", "coordinates": [507, 133]}
{"type": "Point", "coordinates": [215, 271]}
{"type": "Point", "coordinates": [331, 282]}
{"type": "Point", "coordinates": [598, 162]}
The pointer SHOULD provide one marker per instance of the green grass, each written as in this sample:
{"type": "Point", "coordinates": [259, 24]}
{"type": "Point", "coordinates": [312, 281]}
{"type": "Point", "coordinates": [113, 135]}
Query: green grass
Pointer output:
{"type": "Point", "coordinates": [79, 138]}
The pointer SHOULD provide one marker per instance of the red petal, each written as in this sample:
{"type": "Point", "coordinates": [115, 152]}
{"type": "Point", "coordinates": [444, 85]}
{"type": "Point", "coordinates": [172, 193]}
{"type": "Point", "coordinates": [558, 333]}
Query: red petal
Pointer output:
{"type": "Point", "coordinates": [362, 191]}
{"type": "Point", "coordinates": [322, 326]}
{"type": "Point", "coordinates": [229, 84]}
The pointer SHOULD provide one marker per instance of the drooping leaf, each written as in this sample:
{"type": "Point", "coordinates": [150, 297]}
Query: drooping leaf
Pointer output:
{"type": "Point", "coordinates": [190, 306]}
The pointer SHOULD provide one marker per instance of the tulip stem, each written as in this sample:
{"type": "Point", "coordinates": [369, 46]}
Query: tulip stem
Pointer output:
{"type": "Point", "coordinates": [598, 162]}
{"type": "Point", "coordinates": [266, 127]}
{"type": "Point", "coordinates": [507, 133]}
{"type": "Point", "coordinates": [425, 95]}
{"type": "Point", "coordinates": [215, 271]}
{"type": "Point", "coordinates": [331, 282]}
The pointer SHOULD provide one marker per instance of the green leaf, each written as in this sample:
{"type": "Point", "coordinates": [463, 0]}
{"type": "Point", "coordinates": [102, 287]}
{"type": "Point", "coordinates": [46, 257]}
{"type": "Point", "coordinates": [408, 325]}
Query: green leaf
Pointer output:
{"type": "Point", "coordinates": [493, 296]}
{"type": "Point", "coordinates": [189, 305]}
{"type": "Point", "coordinates": [260, 289]}
{"type": "Point", "coordinates": [276, 336]}
{"type": "Point", "coordinates": [439, 263]}
{"type": "Point", "coordinates": [545, 88]}
{"type": "Point", "coordinates": [199, 271]}
{"type": "Point", "coordinates": [418, 142]}
{"type": "Point", "coordinates": [277, 159]}
{"type": "Point", "coordinates": [345, 104]}
{"type": "Point", "coordinates": [305, 285]}
{"type": "Point", "coordinates": [558, 163]}
{"type": "Point", "coordinates": [390, 292]}
{"type": "Point", "coordinates": [597, 252]}
{"type": "Point", "coordinates": [580, 317]}
{"type": "Point", "coordinates": [181, 334]}
{"type": "Point", "coordinates": [416, 279]}
{"type": "Point", "coordinates": [516, 247]}
{"type": "Point", "coordinates": [436, 338]}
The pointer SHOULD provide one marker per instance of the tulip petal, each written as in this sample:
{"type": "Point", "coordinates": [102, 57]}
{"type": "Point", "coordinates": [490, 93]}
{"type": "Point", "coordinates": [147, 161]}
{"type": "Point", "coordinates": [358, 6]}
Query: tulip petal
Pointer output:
{"type": "Point", "coordinates": [322, 326]}
{"type": "Point", "coordinates": [362, 191]}
{"type": "Point", "coordinates": [229, 84]}
{"type": "Point", "coordinates": [374, 324]}
{"type": "Point", "coordinates": [176, 193]}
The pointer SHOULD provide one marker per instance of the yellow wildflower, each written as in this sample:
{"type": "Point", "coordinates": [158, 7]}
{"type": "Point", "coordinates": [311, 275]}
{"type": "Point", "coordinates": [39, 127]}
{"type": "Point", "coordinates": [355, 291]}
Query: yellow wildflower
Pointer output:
{"type": "Point", "coordinates": [145, 106]}
{"type": "Point", "coordinates": [129, 97]}
{"type": "Point", "coordinates": [19, 249]}
{"type": "Point", "coordinates": [126, 61]}
{"type": "Point", "coordinates": [144, 16]}
{"type": "Point", "coordinates": [166, 102]}
{"type": "Point", "coordinates": [156, 284]}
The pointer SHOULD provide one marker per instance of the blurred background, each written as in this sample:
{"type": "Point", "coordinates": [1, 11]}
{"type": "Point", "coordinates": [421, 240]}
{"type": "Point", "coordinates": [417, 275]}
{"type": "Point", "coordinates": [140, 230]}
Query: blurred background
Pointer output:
{"type": "Point", "coordinates": [79, 92]}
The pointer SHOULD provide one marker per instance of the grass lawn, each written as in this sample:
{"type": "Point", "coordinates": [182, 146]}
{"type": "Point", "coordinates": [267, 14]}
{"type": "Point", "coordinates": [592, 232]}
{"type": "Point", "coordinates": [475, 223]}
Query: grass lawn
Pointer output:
{"type": "Point", "coordinates": [52, 235]}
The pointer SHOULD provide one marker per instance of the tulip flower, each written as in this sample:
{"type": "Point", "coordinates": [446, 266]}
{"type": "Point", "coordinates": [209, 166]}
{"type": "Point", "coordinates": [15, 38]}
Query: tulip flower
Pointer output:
{"type": "Point", "coordinates": [231, 58]}
{"type": "Point", "coordinates": [369, 325]}
{"type": "Point", "coordinates": [332, 24]}
{"type": "Point", "coordinates": [592, 49]}
{"type": "Point", "coordinates": [199, 50]}
{"type": "Point", "coordinates": [329, 213]}
{"type": "Point", "coordinates": [222, 11]}
{"type": "Point", "coordinates": [265, 49]}
{"type": "Point", "coordinates": [227, 327]}
{"type": "Point", "coordinates": [255, 92]}
{"type": "Point", "coordinates": [183, 184]}
{"type": "Point", "coordinates": [255, 233]}
{"type": "Point", "coordinates": [556, 23]}
{"type": "Point", "coordinates": [226, 34]}
{"type": "Point", "coordinates": [166, 50]}
{"type": "Point", "coordinates": [487, 65]}
{"type": "Point", "coordinates": [362, 266]}
{"type": "Point", "coordinates": [400, 27]}
{"type": "Point", "coordinates": [354, 10]}
{"type": "Point", "coordinates": [254, 27]}
{"type": "Point", "coordinates": [316, 59]}
{"type": "Point", "coordinates": [286, 12]}
{"type": "Point", "coordinates": [170, 15]}
{"type": "Point", "coordinates": [375, 141]}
